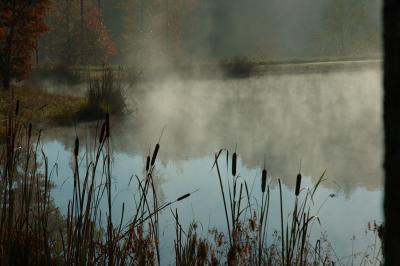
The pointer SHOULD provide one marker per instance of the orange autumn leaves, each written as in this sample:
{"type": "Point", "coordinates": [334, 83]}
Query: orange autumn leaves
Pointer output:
{"type": "Point", "coordinates": [59, 31]}
{"type": "Point", "coordinates": [95, 25]}
{"type": "Point", "coordinates": [21, 24]}
{"type": "Point", "coordinates": [77, 34]}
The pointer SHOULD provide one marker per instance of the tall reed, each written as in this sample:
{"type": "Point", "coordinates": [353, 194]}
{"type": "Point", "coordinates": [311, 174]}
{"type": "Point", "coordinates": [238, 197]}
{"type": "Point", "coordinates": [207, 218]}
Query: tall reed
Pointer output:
{"type": "Point", "coordinates": [32, 231]}
{"type": "Point", "coordinates": [248, 241]}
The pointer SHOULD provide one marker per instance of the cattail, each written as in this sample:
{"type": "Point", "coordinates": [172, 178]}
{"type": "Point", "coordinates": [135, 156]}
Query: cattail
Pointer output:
{"type": "Point", "coordinates": [263, 180]}
{"type": "Point", "coordinates": [17, 108]}
{"type": "Point", "coordinates": [76, 148]}
{"type": "Point", "coordinates": [183, 197]}
{"type": "Point", "coordinates": [298, 183]}
{"type": "Point", "coordinates": [153, 158]}
{"type": "Point", "coordinates": [148, 163]}
{"type": "Point", "coordinates": [29, 130]}
{"type": "Point", "coordinates": [103, 128]}
{"type": "Point", "coordinates": [234, 159]}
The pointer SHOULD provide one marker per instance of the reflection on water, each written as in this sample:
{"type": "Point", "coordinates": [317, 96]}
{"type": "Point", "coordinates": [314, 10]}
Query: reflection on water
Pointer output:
{"type": "Point", "coordinates": [328, 121]}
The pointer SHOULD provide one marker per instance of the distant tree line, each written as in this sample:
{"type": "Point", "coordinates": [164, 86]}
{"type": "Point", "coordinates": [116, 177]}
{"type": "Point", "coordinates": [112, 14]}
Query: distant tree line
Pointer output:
{"type": "Point", "coordinates": [51, 32]}
{"type": "Point", "coordinates": [77, 34]}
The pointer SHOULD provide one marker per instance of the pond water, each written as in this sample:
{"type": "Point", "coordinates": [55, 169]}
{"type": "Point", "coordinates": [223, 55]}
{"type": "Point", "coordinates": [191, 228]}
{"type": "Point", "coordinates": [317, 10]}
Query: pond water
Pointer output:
{"type": "Point", "coordinates": [327, 121]}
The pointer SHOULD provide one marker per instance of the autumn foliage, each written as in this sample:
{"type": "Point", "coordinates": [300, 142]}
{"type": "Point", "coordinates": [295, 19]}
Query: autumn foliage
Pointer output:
{"type": "Point", "coordinates": [77, 34]}
{"type": "Point", "coordinates": [21, 24]}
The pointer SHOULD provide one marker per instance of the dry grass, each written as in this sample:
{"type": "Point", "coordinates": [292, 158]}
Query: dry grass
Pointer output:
{"type": "Point", "coordinates": [237, 67]}
{"type": "Point", "coordinates": [32, 231]}
{"type": "Point", "coordinates": [85, 235]}
{"type": "Point", "coordinates": [105, 94]}
{"type": "Point", "coordinates": [39, 106]}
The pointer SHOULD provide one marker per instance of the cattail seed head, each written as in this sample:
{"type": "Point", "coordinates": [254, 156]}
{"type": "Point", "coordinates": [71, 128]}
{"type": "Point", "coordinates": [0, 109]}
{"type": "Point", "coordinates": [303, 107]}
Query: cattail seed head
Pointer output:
{"type": "Point", "coordinates": [153, 158]}
{"type": "Point", "coordinates": [263, 180]}
{"type": "Point", "coordinates": [183, 197]}
{"type": "Point", "coordinates": [234, 159]}
{"type": "Point", "coordinates": [148, 163]}
{"type": "Point", "coordinates": [298, 183]}
{"type": "Point", "coordinates": [17, 108]}
{"type": "Point", "coordinates": [76, 148]}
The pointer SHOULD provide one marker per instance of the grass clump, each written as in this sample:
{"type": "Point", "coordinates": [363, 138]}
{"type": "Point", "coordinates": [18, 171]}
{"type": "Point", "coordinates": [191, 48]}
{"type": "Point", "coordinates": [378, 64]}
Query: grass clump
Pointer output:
{"type": "Point", "coordinates": [247, 218]}
{"type": "Point", "coordinates": [105, 94]}
{"type": "Point", "coordinates": [238, 67]}
{"type": "Point", "coordinates": [59, 74]}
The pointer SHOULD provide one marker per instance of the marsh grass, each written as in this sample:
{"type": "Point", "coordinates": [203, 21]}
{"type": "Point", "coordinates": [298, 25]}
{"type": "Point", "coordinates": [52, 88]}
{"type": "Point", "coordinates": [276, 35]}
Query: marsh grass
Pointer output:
{"type": "Point", "coordinates": [190, 249]}
{"type": "Point", "coordinates": [27, 211]}
{"type": "Point", "coordinates": [237, 67]}
{"type": "Point", "coordinates": [39, 106]}
{"type": "Point", "coordinates": [105, 94]}
{"type": "Point", "coordinates": [247, 218]}
{"type": "Point", "coordinates": [60, 74]}
{"type": "Point", "coordinates": [34, 232]}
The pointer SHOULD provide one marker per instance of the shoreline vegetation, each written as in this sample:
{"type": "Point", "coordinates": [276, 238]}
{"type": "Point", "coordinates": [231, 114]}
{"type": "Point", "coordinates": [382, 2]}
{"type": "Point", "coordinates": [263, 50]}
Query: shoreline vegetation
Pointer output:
{"type": "Point", "coordinates": [103, 82]}
{"type": "Point", "coordinates": [39, 106]}
{"type": "Point", "coordinates": [103, 92]}
{"type": "Point", "coordinates": [71, 43]}
{"type": "Point", "coordinates": [236, 67]}
{"type": "Point", "coordinates": [34, 232]}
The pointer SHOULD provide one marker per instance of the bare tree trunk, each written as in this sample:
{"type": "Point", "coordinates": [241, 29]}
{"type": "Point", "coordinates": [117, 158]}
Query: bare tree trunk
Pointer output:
{"type": "Point", "coordinates": [391, 115]}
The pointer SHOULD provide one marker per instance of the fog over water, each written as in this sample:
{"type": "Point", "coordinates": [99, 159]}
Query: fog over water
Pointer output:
{"type": "Point", "coordinates": [330, 120]}
{"type": "Point", "coordinates": [324, 116]}
{"type": "Point", "coordinates": [292, 86]}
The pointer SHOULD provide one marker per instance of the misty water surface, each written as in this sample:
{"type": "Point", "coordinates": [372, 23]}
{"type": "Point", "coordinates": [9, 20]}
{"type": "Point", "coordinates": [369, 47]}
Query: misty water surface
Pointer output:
{"type": "Point", "coordinates": [330, 121]}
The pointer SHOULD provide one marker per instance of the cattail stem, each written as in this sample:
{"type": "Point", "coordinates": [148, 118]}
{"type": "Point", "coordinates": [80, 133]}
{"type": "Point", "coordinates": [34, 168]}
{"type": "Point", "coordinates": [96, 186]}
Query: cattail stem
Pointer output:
{"type": "Point", "coordinates": [29, 130]}
{"type": "Point", "coordinates": [147, 163]}
{"type": "Point", "coordinates": [102, 132]}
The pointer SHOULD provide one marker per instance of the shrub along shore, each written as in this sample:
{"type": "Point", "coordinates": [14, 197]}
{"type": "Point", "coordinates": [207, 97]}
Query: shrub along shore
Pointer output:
{"type": "Point", "coordinates": [104, 93]}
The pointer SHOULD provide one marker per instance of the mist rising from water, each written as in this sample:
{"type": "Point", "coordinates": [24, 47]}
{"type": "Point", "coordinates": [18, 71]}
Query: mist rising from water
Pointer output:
{"type": "Point", "coordinates": [328, 121]}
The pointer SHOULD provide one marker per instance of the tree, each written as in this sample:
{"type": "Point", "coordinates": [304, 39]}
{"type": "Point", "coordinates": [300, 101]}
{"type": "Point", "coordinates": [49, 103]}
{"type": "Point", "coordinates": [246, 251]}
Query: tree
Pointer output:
{"type": "Point", "coordinates": [152, 31]}
{"type": "Point", "coordinates": [392, 131]}
{"type": "Point", "coordinates": [74, 39]}
{"type": "Point", "coordinates": [21, 24]}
